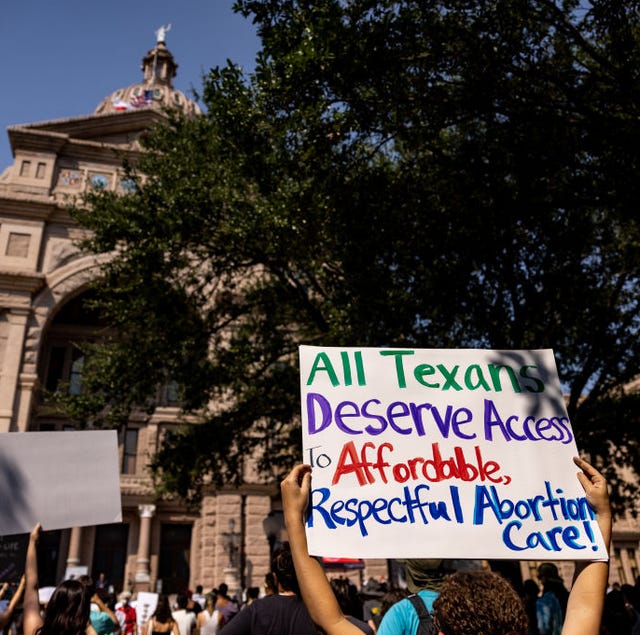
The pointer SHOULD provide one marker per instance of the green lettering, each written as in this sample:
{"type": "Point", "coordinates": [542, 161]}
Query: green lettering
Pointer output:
{"type": "Point", "coordinates": [494, 371]}
{"type": "Point", "coordinates": [402, 380]}
{"type": "Point", "coordinates": [322, 364]}
{"type": "Point", "coordinates": [480, 381]}
{"type": "Point", "coordinates": [421, 371]}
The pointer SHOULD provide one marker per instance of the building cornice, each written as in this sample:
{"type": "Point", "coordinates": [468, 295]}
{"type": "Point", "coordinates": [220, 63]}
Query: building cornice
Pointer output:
{"type": "Point", "coordinates": [11, 280]}
{"type": "Point", "coordinates": [27, 206]}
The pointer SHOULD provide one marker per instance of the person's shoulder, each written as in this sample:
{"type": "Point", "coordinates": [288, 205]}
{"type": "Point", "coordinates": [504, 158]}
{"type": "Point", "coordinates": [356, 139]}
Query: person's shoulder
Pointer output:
{"type": "Point", "coordinates": [361, 625]}
{"type": "Point", "coordinates": [394, 620]}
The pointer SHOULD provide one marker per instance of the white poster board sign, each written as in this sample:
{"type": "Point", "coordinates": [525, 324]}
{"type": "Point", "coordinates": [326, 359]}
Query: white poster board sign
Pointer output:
{"type": "Point", "coordinates": [146, 604]}
{"type": "Point", "coordinates": [73, 573]}
{"type": "Point", "coordinates": [432, 453]}
{"type": "Point", "coordinates": [58, 479]}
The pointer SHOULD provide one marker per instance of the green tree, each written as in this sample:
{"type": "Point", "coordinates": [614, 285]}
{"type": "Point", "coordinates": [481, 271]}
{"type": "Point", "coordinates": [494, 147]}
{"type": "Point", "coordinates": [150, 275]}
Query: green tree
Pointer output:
{"type": "Point", "coordinates": [413, 173]}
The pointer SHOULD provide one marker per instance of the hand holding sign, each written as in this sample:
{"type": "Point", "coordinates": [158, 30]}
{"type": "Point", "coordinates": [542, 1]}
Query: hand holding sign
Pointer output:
{"type": "Point", "coordinates": [486, 606]}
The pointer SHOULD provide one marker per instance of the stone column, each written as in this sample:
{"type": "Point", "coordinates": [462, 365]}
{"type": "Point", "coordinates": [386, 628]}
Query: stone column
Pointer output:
{"type": "Point", "coordinates": [11, 365]}
{"type": "Point", "coordinates": [626, 567]}
{"type": "Point", "coordinates": [75, 540]}
{"type": "Point", "coordinates": [143, 577]}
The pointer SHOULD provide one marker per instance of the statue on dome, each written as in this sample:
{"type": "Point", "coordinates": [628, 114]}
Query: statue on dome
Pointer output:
{"type": "Point", "coordinates": [161, 33]}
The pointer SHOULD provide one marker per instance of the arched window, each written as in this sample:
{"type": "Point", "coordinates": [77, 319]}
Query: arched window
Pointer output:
{"type": "Point", "coordinates": [63, 360]}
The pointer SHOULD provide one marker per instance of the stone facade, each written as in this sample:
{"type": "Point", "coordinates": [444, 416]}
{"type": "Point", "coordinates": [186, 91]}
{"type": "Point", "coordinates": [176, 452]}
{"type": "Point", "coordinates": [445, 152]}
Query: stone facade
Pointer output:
{"type": "Point", "coordinates": [43, 279]}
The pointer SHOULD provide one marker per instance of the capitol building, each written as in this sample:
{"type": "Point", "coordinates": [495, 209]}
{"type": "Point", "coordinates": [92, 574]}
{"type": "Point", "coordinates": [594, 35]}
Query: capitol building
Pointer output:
{"type": "Point", "coordinates": [161, 545]}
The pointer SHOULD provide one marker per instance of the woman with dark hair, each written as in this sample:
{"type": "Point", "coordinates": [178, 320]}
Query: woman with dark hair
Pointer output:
{"type": "Point", "coordinates": [67, 612]}
{"type": "Point", "coordinates": [161, 622]}
{"type": "Point", "coordinates": [479, 602]}
{"type": "Point", "coordinates": [282, 613]}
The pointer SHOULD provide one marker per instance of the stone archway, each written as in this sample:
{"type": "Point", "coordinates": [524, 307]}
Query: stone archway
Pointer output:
{"type": "Point", "coordinates": [62, 285]}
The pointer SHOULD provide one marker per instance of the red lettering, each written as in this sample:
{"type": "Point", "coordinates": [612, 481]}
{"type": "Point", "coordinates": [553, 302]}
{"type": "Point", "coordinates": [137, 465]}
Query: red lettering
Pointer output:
{"type": "Point", "coordinates": [433, 469]}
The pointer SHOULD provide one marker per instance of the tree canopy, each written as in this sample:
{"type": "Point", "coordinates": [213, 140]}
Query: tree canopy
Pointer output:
{"type": "Point", "coordinates": [459, 173]}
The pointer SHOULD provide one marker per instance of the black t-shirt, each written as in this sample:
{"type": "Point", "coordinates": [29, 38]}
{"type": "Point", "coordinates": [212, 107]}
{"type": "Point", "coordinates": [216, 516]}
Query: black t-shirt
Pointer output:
{"type": "Point", "coordinates": [272, 615]}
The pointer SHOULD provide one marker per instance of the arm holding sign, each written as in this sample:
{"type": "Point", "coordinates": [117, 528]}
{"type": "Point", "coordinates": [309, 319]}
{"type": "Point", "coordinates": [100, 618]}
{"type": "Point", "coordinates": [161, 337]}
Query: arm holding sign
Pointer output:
{"type": "Point", "coordinates": [586, 600]}
{"type": "Point", "coordinates": [32, 619]}
{"type": "Point", "coordinates": [314, 586]}
{"type": "Point", "coordinates": [7, 614]}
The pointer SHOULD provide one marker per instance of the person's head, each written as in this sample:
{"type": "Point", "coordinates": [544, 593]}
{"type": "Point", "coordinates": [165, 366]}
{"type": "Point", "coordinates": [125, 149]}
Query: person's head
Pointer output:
{"type": "Point", "coordinates": [531, 588]}
{"type": "Point", "coordinates": [125, 597]}
{"type": "Point", "coordinates": [479, 602]}
{"type": "Point", "coordinates": [425, 574]}
{"type": "Point", "coordinates": [282, 567]}
{"type": "Point", "coordinates": [67, 610]}
{"type": "Point", "coordinates": [223, 590]}
{"type": "Point", "coordinates": [199, 589]}
{"type": "Point", "coordinates": [253, 592]}
{"type": "Point", "coordinates": [548, 571]}
{"type": "Point", "coordinates": [210, 602]}
{"type": "Point", "coordinates": [89, 584]}
{"type": "Point", "coordinates": [182, 600]}
{"type": "Point", "coordinates": [162, 613]}
{"type": "Point", "coordinates": [270, 585]}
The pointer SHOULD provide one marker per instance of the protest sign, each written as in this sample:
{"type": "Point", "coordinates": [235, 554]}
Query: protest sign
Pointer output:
{"type": "Point", "coordinates": [13, 551]}
{"type": "Point", "coordinates": [58, 479]}
{"type": "Point", "coordinates": [145, 606]}
{"type": "Point", "coordinates": [459, 453]}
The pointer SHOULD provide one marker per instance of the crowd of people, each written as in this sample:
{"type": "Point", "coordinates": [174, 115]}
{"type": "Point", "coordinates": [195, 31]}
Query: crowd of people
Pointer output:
{"type": "Point", "coordinates": [298, 598]}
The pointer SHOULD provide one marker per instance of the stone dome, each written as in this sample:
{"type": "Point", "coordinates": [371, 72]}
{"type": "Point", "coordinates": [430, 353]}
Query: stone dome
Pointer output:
{"type": "Point", "coordinates": [156, 89]}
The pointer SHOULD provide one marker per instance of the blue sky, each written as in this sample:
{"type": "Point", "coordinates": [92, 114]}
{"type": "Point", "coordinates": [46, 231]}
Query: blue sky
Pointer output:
{"type": "Point", "coordinates": [61, 59]}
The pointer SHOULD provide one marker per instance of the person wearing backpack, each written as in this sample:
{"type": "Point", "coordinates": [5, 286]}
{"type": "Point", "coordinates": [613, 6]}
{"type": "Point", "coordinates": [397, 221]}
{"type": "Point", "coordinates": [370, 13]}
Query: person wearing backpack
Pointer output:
{"type": "Point", "coordinates": [411, 615]}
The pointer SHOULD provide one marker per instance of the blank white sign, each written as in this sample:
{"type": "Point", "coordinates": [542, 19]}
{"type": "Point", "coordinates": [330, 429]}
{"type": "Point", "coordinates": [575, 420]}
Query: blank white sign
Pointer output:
{"type": "Point", "coordinates": [58, 479]}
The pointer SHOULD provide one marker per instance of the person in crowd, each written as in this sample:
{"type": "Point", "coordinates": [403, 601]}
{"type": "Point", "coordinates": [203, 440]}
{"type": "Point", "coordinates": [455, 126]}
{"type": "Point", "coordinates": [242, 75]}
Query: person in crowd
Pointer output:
{"type": "Point", "coordinates": [389, 599]}
{"type": "Point", "coordinates": [192, 606]}
{"type": "Point", "coordinates": [253, 593]}
{"type": "Point", "coordinates": [185, 620]}
{"type": "Point", "coordinates": [103, 619]}
{"type": "Point", "coordinates": [67, 611]}
{"type": "Point", "coordinates": [372, 593]}
{"type": "Point", "coordinates": [270, 586]}
{"type": "Point", "coordinates": [282, 613]}
{"type": "Point", "coordinates": [616, 619]}
{"type": "Point", "coordinates": [479, 602]}
{"type": "Point", "coordinates": [6, 617]}
{"type": "Point", "coordinates": [632, 602]}
{"type": "Point", "coordinates": [199, 597]}
{"type": "Point", "coordinates": [424, 581]}
{"type": "Point", "coordinates": [530, 595]}
{"type": "Point", "coordinates": [469, 602]}
{"type": "Point", "coordinates": [126, 614]}
{"type": "Point", "coordinates": [549, 613]}
{"type": "Point", "coordinates": [225, 604]}
{"type": "Point", "coordinates": [209, 620]}
{"type": "Point", "coordinates": [551, 582]}
{"type": "Point", "coordinates": [161, 622]}
{"type": "Point", "coordinates": [102, 587]}
{"type": "Point", "coordinates": [340, 588]}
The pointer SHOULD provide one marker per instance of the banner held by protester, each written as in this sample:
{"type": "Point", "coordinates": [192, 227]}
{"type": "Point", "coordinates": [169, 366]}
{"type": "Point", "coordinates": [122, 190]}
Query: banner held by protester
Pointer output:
{"type": "Point", "coordinates": [447, 453]}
